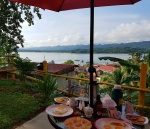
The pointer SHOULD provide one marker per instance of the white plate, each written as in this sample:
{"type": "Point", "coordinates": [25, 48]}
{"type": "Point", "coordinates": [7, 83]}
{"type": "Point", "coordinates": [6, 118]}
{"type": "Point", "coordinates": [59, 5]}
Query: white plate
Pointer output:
{"type": "Point", "coordinates": [67, 102]}
{"type": "Point", "coordinates": [100, 123]}
{"type": "Point", "coordinates": [49, 110]}
{"type": "Point", "coordinates": [146, 119]}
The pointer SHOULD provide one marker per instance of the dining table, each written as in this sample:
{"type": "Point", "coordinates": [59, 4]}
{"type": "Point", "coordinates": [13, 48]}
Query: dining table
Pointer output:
{"type": "Point", "coordinates": [58, 121]}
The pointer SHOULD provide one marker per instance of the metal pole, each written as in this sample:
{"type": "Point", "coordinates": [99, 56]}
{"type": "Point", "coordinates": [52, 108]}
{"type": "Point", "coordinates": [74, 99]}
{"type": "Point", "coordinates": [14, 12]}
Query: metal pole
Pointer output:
{"type": "Point", "coordinates": [91, 50]}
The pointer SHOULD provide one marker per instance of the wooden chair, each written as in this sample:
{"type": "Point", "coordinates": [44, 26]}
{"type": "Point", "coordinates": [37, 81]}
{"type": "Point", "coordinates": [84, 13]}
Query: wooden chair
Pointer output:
{"type": "Point", "coordinates": [104, 112]}
{"type": "Point", "coordinates": [129, 107]}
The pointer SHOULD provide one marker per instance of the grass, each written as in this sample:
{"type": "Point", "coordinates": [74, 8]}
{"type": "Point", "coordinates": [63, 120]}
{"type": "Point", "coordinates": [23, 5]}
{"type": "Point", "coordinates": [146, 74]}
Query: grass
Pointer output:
{"type": "Point", "coordinates": [17, 103]}
{"type": "Point", "coordinates": [16, 107]}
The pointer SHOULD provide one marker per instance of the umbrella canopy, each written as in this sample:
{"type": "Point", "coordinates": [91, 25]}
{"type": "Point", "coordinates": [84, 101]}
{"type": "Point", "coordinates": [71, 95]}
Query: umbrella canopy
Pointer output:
{"type": "Point", "coordinates": [61, 5]}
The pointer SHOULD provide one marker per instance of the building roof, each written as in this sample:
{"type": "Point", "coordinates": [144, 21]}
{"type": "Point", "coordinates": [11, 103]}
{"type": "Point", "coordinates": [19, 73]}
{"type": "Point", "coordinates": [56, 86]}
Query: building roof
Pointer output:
{"type": "Point", "coordinates": [57, 69]}
{"type": "Point", "coordinates": [115, 64]}
{"type": "Point", "coordinates": [107, 68]}
{"type": "Point", "coordinates": [60, 68]}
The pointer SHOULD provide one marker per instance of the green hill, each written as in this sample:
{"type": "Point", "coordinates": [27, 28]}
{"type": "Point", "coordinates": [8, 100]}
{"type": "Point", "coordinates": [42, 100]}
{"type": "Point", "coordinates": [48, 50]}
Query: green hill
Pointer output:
{"type": "Point", "coordinates": [142, 46]}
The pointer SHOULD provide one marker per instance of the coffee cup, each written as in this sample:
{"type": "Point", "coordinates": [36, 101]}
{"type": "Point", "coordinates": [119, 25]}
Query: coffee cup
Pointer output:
{"type": "Point", "coordinates": [72, 102]}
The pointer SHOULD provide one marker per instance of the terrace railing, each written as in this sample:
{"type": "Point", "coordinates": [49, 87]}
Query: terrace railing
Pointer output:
{"type": "Point", "coordinates": [6, 65]}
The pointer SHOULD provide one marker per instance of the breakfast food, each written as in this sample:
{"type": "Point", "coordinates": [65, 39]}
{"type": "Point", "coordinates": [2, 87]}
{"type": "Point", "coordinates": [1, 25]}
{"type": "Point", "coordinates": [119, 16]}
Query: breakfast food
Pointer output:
{"type": "Point", "coordinates": [62, 99]}
{"type": "Point", "coordinates": [110, 123]}
{"type": "Point", "coordinates": [59, 110]}
{"type": "Point", "coordinates": [118, 127]}
{"type": "Point", "coordinates": [115, 125]}
{"type": "Point", "coordinates": [77, 123]}
{"type": "Point", "coordinates": [136, 119]}
{"type": "Point", "coordinates": [107, 126]}
{"type": "Point", "coordinates": [118, 123]}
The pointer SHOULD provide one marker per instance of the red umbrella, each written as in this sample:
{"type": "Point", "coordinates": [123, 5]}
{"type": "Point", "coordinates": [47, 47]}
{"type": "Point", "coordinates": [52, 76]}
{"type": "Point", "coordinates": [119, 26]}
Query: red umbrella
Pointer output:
{"type": "Point", "coordinates": [61, 5]}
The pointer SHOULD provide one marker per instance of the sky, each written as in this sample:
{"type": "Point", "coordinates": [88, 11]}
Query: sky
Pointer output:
{"type": "Point", "coordinates": [113, 24]}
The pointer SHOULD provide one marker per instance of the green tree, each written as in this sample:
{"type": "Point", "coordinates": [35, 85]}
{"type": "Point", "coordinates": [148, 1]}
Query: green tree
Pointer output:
{"type": "Point", "coordinates": [125, 75]}
{"type": "Point", "coordinates": [24, 66]}
{"type": "Point", "coordinates": [12, 15]}
{"type": "Point", "coordinates": [118, 76]}
{"type": "Point", "coordinates": [127, 72]}
{"type": "Point", "coordinates": [69, 62]}
{"type": "Point", "coordinates": [133, 66]}
{"type": "Point", "coordinates": [135, 58]}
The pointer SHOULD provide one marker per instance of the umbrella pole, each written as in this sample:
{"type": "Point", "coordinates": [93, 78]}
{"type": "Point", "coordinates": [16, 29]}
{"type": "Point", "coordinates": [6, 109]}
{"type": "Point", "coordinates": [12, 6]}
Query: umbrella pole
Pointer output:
{"type": "Point", "coordinates": [91, 51]}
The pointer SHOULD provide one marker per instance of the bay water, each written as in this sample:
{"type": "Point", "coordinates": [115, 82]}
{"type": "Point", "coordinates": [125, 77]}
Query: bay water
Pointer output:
{"type": "Point", "coordinates": [78, 58]}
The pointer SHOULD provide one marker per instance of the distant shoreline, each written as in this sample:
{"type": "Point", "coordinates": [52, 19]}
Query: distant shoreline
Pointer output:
{"type": "Point", "coordinates": [98, 51]}
{"type": "Point", "coordinates": [126, 48]}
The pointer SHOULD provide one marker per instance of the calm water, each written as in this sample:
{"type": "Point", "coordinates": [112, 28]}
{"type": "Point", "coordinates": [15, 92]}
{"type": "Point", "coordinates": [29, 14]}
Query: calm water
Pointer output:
{"type": "Point", "coordinates": [62, 57]}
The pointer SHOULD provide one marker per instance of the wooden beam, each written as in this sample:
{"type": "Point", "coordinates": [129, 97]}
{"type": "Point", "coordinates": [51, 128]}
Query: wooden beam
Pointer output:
{"type": "Point", "coordinates": [143, 76]}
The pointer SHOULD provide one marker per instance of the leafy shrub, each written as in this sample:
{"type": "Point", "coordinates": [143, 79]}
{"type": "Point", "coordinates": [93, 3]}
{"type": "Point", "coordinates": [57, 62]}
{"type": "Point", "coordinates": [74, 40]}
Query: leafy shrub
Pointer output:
{"type": "Point", "coordinates": [47, 86]}
{"type": "Point", "coordinates": [24, 66]}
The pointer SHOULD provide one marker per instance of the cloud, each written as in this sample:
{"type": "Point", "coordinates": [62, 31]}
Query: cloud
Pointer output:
{"type": "Point", "coordinates": [126, 32]}
{"type": "Point", "coordinates": [123, 33]}
{"type": "Point", "coordinates": [70, 39]}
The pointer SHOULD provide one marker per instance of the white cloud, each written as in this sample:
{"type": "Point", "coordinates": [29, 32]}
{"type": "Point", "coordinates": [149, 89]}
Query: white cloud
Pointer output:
{"type": "Point", "coordinates": [123, 33]}
{"type": "Point", "coordinates": [126, 32]}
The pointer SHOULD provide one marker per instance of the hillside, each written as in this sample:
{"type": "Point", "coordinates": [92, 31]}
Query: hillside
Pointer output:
{"type": "Point", "coordinates": [70, 48]}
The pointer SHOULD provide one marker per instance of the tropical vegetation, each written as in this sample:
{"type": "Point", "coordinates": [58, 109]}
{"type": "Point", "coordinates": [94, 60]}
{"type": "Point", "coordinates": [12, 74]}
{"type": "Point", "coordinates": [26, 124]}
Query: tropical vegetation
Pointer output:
{"type": "Point", "coordinates": [47, 86]}
{"type": "Point", "coordinates": [129, 71]}
{"type": "Point", "coordinates": [24, 67]}
{"type": "Point", "coordinates": [129, 74]}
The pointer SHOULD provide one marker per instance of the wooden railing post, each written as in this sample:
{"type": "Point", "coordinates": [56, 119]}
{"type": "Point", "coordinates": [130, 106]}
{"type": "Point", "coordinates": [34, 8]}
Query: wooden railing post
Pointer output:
{"type": "Point", "coordinates": [69, 86]}
{"type": "Point", "coordinates": [45, 66]}
{"type": "Point", "coordinates": [143, 76]}
{"type": "Point", "coordinates": [12, 67]}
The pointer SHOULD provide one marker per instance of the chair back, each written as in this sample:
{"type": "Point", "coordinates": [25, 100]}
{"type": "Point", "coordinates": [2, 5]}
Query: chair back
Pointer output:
{"type": "Point", "coordinates": [129, 107]}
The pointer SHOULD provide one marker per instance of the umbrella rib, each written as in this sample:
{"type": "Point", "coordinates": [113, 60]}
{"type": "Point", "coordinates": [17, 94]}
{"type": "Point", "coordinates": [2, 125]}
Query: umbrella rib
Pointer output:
{"type": "Point", "coordinates": [61, 5]}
